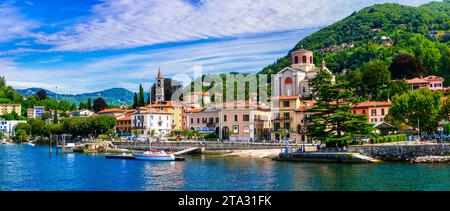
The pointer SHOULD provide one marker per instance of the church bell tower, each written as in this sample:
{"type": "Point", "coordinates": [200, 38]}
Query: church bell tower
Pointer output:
{"type": "Point", "coordinates": [159, 89]}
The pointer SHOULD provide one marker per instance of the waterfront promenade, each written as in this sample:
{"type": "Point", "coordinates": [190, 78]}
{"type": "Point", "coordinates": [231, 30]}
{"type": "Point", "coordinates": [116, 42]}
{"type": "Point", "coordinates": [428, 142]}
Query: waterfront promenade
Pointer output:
{"type": "Point", "coordinates": [207, 146]}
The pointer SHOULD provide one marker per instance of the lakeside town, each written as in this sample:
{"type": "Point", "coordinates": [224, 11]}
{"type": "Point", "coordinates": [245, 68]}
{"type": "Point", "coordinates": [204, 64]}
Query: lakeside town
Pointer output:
{"type": "Point", "coordinates": [308, 106]}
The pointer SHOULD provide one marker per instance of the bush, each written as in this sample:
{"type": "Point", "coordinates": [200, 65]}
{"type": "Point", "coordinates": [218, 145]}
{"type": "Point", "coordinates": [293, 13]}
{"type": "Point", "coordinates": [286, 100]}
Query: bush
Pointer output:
{"type": "Point", "coordinates": [211, 136]}
{"type": "Point", "coordinates": [389, 139]}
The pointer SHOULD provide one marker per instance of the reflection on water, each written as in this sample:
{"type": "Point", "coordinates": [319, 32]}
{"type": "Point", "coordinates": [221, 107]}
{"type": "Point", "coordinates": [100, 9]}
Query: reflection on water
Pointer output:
{"type": "Point", "coordinates": [34, 169]}
{"type": "Point", "coordinates": [161, 175]}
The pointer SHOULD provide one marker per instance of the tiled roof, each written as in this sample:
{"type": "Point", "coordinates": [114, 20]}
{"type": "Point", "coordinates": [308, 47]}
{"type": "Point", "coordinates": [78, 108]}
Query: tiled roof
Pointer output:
{"type": "Point", "coordinates": [433, 78]}
{"type": "Point", "coordinates": [284, 97]}
{"type": "Point", "coordinates": [9, 104]}
{"type": "Point", "coordinates": [111, 110]}
{"type": "Point", "coordinates": [417, 81]}
{"type": "Point", "coordinates": [373, 104]}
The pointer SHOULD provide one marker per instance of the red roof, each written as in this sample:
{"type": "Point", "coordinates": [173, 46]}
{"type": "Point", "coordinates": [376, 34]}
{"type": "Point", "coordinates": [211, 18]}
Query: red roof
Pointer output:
{"type": "Point", "coordinates": [285, 97]}
{"type": "Point", "coordinates": [373, 104]}
{"type": "Point", "coordinates": [417, 81]}
{"type": "Point", "coordinates": [9, 104]}
{"type": "Point", "coordinates": [112, 110]}
{"type": "Point", "coordinates": [433, 78]}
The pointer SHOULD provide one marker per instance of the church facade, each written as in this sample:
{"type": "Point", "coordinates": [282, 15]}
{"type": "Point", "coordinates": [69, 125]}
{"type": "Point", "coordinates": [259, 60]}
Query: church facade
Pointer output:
{"type": "Point", "coordinates": [290, 90]}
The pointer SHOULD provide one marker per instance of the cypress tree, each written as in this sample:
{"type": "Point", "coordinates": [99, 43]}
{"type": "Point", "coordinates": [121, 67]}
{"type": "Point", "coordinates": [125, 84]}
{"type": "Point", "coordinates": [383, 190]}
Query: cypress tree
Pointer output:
{"type": "Point", "coordinates": [89, 104]}
{"type": "Point", "coordinates": [141, 100]}
{"type": "Point", "coordinates": [135, 101]}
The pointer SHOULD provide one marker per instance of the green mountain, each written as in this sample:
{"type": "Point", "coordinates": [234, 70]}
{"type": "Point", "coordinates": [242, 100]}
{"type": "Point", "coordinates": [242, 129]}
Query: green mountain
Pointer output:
{"type": "Point", "coordinates": [381, 32]}
{"type": "Point", "coordinates": [114, 96]}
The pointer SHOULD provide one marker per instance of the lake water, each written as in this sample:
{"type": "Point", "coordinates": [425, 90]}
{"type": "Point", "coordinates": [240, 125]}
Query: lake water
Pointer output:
{"type": "Point", "coordinates": [34, 169]}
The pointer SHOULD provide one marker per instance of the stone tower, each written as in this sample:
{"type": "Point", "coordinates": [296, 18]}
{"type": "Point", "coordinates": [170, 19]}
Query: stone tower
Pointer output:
{"type": "Point", "coordinates": [159, 91]}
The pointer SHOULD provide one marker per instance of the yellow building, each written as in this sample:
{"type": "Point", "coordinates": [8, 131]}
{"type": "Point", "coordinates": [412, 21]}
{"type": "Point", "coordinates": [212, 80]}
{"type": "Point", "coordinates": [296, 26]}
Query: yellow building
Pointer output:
{"type": "Point", "coordinates": [178, 116]}
{"type": "Point", "coordinates": [283, 113]}
{"type": "Point", "coordinates": [9, 108]}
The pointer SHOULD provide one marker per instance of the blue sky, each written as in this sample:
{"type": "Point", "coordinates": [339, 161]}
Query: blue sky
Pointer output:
{"type": "Point", "coordinates": [90, 45]}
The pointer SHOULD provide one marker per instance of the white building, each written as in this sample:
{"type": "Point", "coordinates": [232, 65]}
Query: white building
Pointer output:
{"type": "Point", "coordinates": [294, 80]}
{"type": "Point", "coordinates": [146, 119]}
{"type": "Point", "coordinates": [82, 113]}
{"type": "Point", "coordinates": [7, 127]}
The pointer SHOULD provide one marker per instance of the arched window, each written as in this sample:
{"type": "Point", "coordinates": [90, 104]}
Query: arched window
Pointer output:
{"type": "Point", "coordinates": [304, 59]}
{"type": "Point", "coordinates": [310, 59]}
{"type": "Point", "coordinates": [296, 60]}
{"type": "Point", "coordinates": [288, 80]}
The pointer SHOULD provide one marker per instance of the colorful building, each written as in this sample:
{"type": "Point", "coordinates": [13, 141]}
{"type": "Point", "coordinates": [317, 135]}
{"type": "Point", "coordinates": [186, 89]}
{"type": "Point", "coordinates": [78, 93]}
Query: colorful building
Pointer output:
{"type": "Point", "coordinates": [7, 127]}
{"type": "Point", "coordinates": [36, 112]}
{"type": "Point", "coordinates": [177, 111]}
{"type": "Point", "coordinates": [283, 115]}
{"type": "Point", "coordinates": [294, 80]}
{"type": "Point", "coordinates": [123, 125]}
{"type": "Point", "coordinates": [375, 111]}
{"type": "Point", "coordinates": [146, 119]}
{"type": "Point", "coordinates": [235, 121]}
{"type": "Point", "coordinates": [10, 108]}
{"type": "Point", "coordinates": [432, 82]}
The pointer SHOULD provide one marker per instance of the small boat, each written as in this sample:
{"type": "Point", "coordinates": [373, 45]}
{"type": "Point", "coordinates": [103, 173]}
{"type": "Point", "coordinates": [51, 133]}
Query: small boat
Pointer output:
{"type": "Point", "coordinates": [4, 141]}
{"type": "Point", "coordinates": [31, 144]}
{"type": "Point", "coordinates": [155, 155]}
{"type": "Point", "coordinates": [120, 156]}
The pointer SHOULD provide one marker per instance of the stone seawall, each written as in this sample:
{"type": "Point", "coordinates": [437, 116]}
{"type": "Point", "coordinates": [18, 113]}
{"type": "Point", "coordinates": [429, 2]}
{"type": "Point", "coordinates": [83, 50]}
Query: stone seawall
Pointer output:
{"type": "Point", "coordinates": [327, 157]}
{"type": "Point", "coordinates": [401, 152]}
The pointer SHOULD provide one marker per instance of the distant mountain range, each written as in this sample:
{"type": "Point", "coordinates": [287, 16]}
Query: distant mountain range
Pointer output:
{"type": "Point", "coordinates": [114, 96]}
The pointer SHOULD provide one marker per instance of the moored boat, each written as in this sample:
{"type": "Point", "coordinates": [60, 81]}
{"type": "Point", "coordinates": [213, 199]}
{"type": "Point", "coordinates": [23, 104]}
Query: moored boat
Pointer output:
{"type": "Point", "coordinates": [155, 155]}
{"type": "Point", "coordinates": [120, 156]}
{"type": "Point", "coordinates": [31, 144]}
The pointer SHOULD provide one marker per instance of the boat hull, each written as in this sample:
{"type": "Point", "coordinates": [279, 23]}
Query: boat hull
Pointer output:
{"type": "Point", "coordinates": [154, 157]}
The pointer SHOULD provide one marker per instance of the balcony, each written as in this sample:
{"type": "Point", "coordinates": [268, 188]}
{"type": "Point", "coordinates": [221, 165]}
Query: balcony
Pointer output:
{"type": "Point", "coordinates": [282, 118]}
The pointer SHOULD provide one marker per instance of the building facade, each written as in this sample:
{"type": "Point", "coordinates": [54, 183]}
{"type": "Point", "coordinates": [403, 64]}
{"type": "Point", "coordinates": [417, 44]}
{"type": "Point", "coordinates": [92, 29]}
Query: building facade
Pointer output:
{"type": "Point", "coordinates": [146, 119]}
{"type": "Point", "coordinates": [123, 125]}
{"type": "Point", "coordinates": [431, 82]}
{"type": "Point", "coordinates": [82, 113]}
{"type": "Point", "coordinates": [235, 121]}
{"type": "Point", "coordinates": [7, 127]}
{"type": "Point", "coordinates": [375, 111]}
{"type": "Point", "coordinates": [294, 80]}
{"type": "Point", "coordinates": [177, 111]}
{"type": "Point", "coordinates": [10, 108]}
{"type": "Point", "coordinates": [36, 112]}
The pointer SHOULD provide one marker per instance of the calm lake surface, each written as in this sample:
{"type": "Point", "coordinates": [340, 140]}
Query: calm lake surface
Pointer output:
{"type": "Point", "coordinates": [34, 169]}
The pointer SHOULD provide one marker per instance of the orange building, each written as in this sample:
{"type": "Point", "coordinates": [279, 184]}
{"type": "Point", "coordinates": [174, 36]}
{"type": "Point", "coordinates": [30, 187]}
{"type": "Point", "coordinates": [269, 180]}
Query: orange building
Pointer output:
{"type": "Point", "coordinates": [376, 111]}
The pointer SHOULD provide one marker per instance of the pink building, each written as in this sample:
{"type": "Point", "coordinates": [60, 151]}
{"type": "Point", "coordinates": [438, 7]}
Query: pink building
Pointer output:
{"type": "Point", "coordinates": [375, 111]}
{"type": "Point", "coordinates": [432, 82]}
{"type": "Point", "coordinates": [232, 121]}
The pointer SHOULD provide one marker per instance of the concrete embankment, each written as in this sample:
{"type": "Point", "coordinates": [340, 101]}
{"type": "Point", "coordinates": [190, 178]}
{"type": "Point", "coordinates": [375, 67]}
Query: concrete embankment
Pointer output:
{"type": "Point", "coordinates": [343, 157]}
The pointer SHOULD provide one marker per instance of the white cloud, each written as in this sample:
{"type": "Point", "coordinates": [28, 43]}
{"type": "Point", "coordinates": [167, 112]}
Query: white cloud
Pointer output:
{"type": "Point", "coordinates": [13, 24]}
{"type": "Point", "coordinates": [128, 70]}
{"type": "Point", "coordinates": [119, 24]}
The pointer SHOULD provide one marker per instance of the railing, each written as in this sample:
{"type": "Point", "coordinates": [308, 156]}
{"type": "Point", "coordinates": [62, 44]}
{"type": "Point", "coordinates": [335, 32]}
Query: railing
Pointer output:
{"type": "Point", "coordinates": [282, 118]}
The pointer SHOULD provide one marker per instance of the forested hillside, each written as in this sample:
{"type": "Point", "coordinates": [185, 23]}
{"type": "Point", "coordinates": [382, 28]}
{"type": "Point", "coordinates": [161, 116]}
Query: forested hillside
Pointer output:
{"type": "Point", "coordinates": [380, 32]}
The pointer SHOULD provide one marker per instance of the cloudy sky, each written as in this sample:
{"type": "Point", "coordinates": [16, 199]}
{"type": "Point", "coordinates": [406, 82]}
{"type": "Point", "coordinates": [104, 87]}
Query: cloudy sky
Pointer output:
{"type": "Point", "coordinates": [90, 45]}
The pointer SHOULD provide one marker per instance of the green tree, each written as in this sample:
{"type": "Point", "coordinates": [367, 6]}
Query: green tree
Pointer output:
{"type": "Point", "coordinates": [99, 104]}
{"type": "Point", "coordinates": [141, 100]}
{"type": "Point", "coordinates": [55, 117]}
{"type": "Point", "coordinates": [444, 66]}
{"type": "Point", "coordinates": [89, 104]}
{"type": "Point", "coordinates": [418, 108]}
{"type": "Point", "coordinates": [376, 77]}
{"type": "Point", "coordinates": [41, 94]}
{"type": "Point", "coordinates": [406, 66]}
{"type": "Point", "coordinates": [322, 78]}
{"type": "Point", "coordinates": [82, 106]}
{"type": "Point", "coordinates": [332, 121]}
{"type": "Point", "coordinates": [135, 101]}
